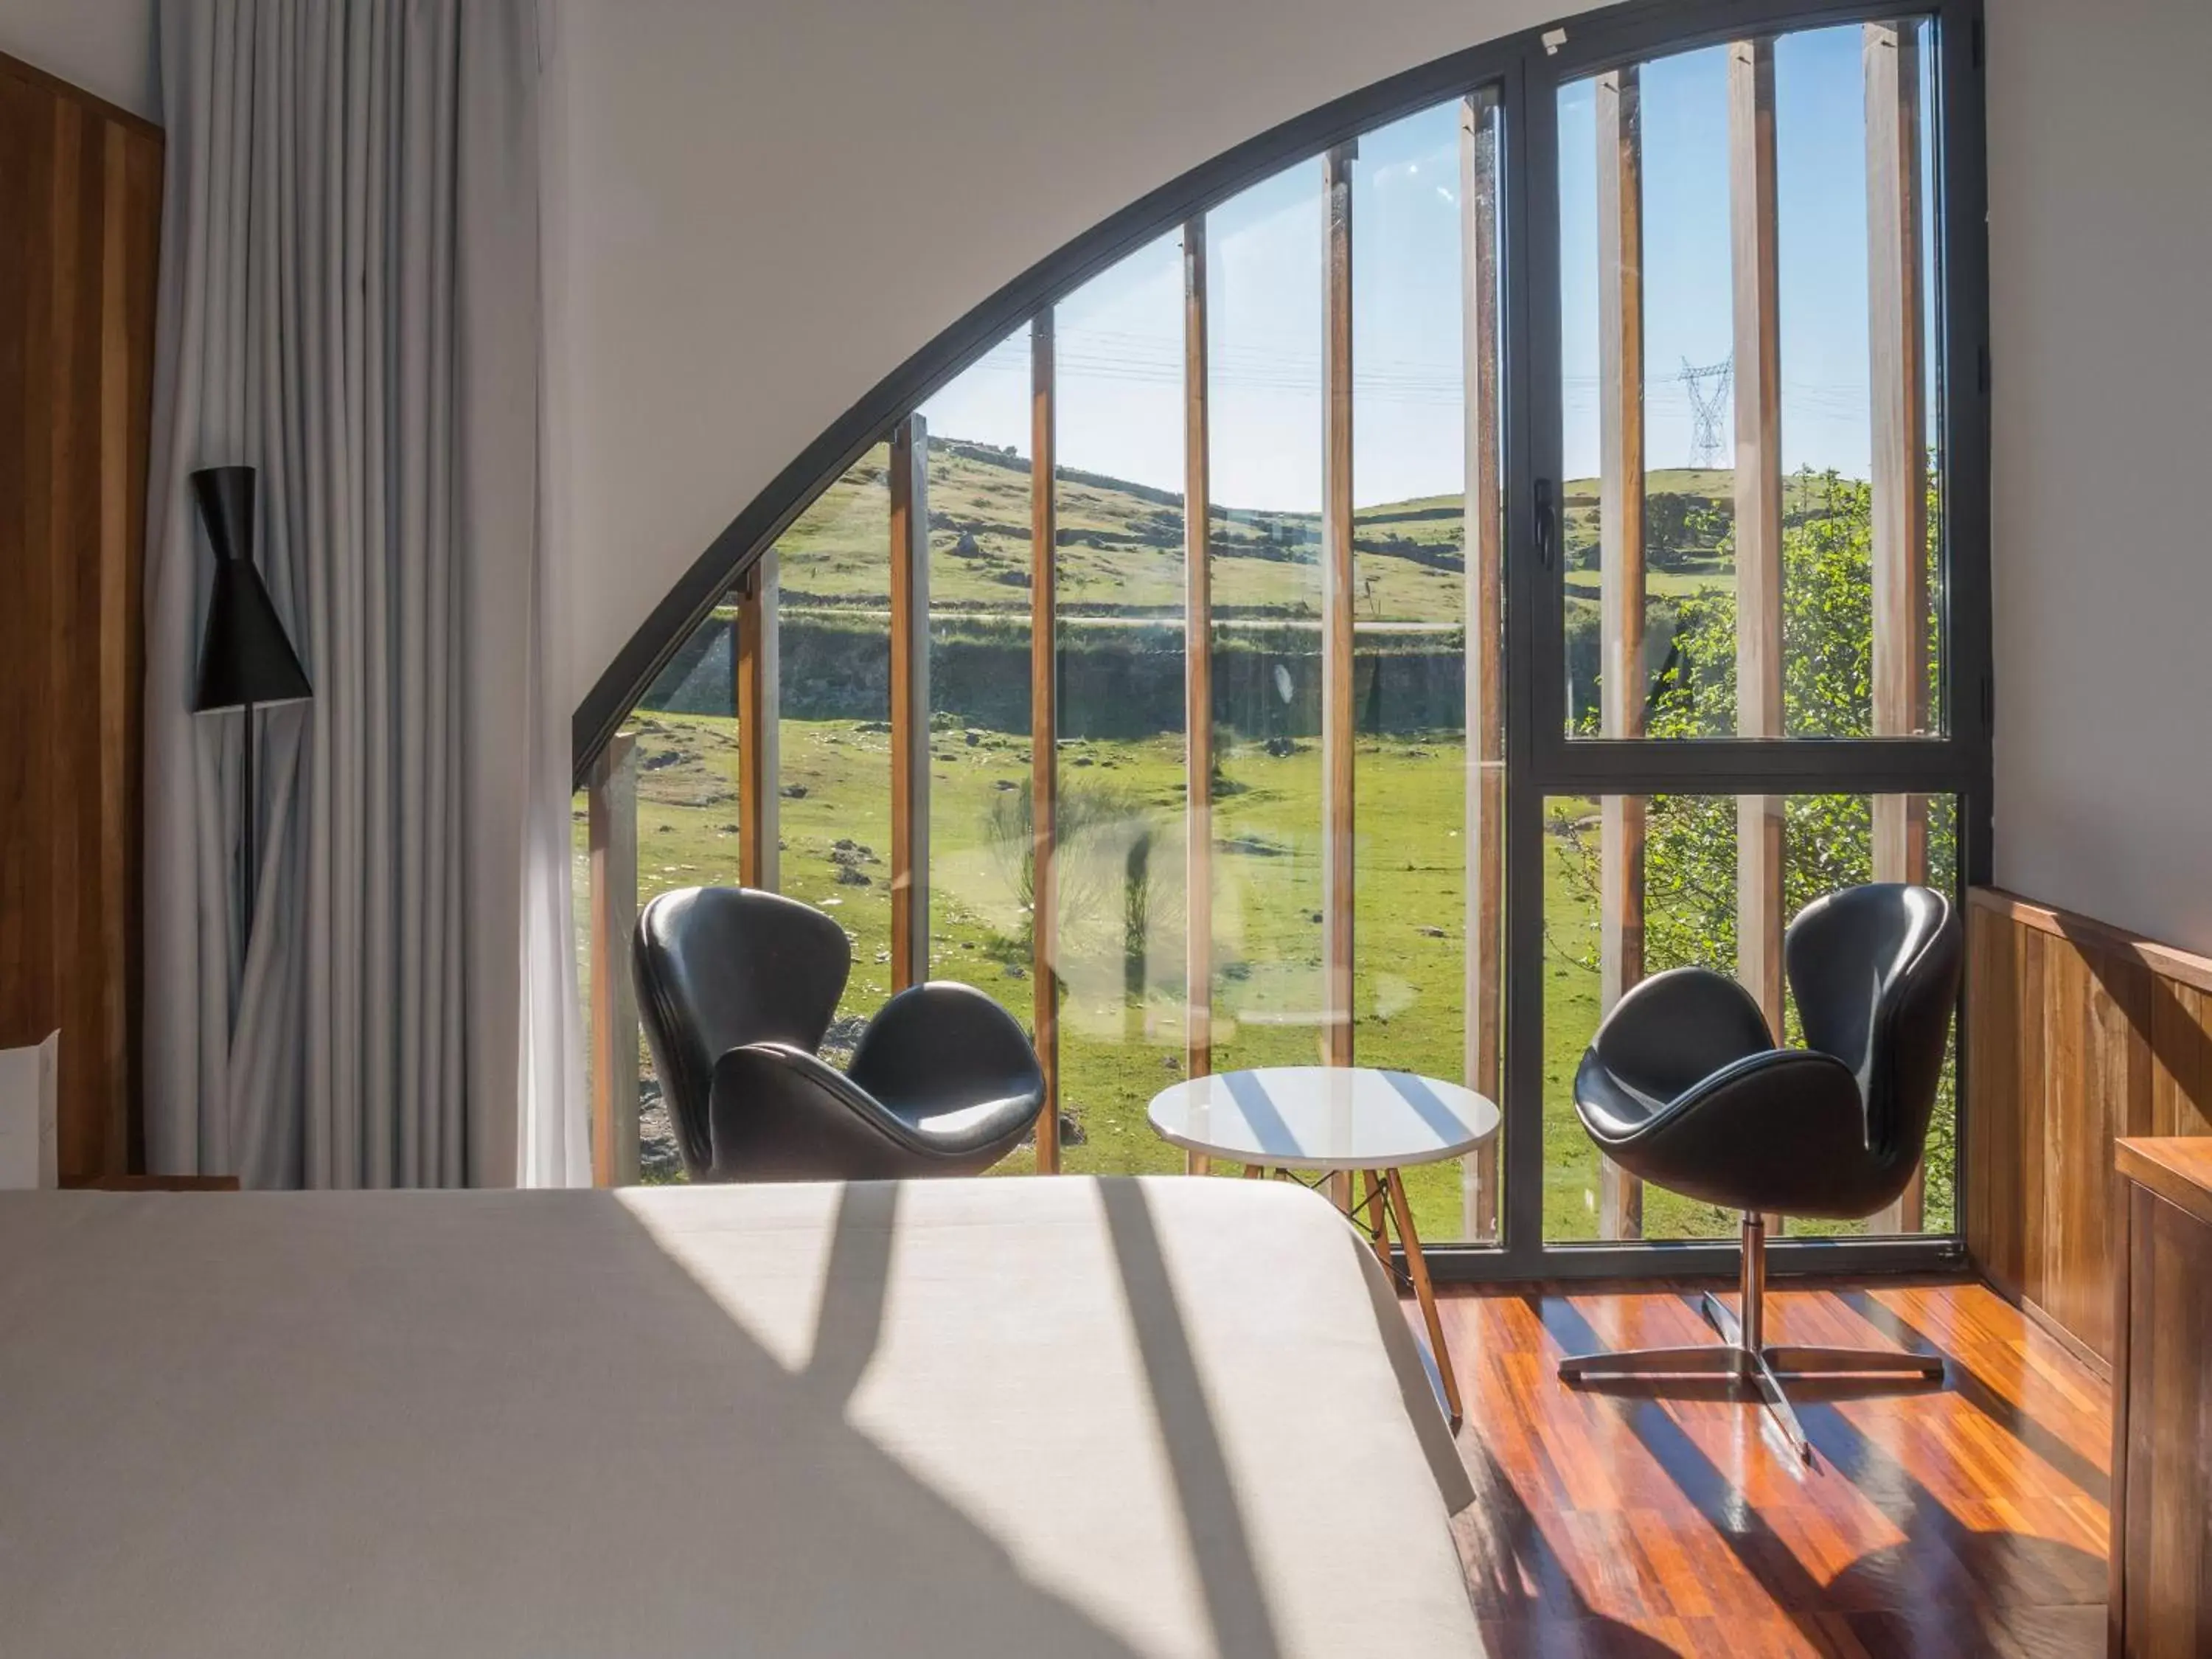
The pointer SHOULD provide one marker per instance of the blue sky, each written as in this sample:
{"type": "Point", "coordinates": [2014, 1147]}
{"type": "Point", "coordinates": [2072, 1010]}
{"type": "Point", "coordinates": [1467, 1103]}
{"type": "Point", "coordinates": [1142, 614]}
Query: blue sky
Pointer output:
{"type": "Point", "coordinates": [1120, 336]}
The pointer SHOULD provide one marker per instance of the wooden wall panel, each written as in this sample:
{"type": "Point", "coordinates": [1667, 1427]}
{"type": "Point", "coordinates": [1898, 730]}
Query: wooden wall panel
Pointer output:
{"type": "Point", "coordinates": [80, 202]}
{"type": "Point", "coordinates": [1991, 1224]}
{"type": "Point", "coordinates": [2180, 1059]}
{"type": "Point", "coordinates": [2078, 1034]}
{"type": "Point", "coordinates": [2160, 1602]}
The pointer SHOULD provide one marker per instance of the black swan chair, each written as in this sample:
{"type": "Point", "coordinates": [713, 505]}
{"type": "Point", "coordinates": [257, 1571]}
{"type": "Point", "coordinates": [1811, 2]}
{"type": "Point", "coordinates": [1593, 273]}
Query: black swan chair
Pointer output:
{"type": "Point", "coordinates": [1684, 1087]}
{"type": "Point", "coordinates": [736, 989]}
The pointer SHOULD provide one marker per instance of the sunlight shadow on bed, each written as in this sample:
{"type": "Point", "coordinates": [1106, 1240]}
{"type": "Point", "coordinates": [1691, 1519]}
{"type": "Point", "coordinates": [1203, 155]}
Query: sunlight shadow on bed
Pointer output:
{"type": "Point", "coordinates": [1114, 1419]}
{"type": "Point", "coordinates": [1236, 1602]}
{"type": "Point", "coordinates": [536, 1437]}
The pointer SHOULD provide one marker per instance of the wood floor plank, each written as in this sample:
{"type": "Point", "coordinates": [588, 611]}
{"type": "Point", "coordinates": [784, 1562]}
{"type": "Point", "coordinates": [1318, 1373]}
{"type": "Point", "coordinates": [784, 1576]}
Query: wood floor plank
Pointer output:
{"type": "Point", "coordinates": [1655, 1518]}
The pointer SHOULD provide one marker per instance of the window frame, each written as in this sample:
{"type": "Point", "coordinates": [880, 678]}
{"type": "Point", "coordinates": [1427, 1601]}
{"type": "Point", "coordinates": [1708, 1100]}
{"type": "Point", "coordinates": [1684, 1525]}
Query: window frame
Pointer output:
{"type": "Point", "coordinates": [1524, 72]}
{"type": "Point", "coordinates": [1543, 760]}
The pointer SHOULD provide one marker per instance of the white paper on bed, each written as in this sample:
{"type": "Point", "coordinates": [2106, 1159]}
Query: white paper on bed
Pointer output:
{"type": "Point", "coordinates": [987, 1418]}
{"type": "Point", "coordinates": [29, 1108]}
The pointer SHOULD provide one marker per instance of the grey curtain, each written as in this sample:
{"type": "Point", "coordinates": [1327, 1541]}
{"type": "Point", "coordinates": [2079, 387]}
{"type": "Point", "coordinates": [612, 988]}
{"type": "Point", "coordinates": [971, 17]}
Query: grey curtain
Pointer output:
{"type": "Point", "coordinates": [350, 302]}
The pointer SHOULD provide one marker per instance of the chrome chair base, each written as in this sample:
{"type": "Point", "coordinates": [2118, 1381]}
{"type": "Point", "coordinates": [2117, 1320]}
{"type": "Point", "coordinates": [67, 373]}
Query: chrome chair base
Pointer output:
{"type": "Point", "coordinates": [1744, 1355]}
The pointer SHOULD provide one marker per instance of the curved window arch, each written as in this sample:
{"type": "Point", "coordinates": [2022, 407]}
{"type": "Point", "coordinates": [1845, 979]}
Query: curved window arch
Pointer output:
{"type": "Point", "coordinates": [1580, 427]}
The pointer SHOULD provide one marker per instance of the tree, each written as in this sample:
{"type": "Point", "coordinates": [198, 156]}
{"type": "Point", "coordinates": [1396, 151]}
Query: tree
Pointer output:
{"type": "Point", "coordinates": [1679, 527]}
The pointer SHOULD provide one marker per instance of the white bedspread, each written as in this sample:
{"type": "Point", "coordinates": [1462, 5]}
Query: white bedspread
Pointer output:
{"type": "Point", "coordinates": [983, 1418]}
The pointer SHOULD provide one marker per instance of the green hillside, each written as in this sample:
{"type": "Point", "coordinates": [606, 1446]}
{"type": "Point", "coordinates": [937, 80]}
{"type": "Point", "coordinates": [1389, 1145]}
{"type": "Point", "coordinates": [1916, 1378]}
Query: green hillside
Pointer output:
{"type": "Point", "coordinates": [1121, 545]}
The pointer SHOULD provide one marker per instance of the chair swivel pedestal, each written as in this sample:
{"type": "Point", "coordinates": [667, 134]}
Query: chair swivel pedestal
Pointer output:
{"type": "Point", "coordinates": [1744, 1353]}
{"type": "Point", "coordinates": [1684, 1087]}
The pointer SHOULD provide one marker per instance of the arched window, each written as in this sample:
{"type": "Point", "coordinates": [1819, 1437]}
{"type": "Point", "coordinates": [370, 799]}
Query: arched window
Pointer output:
{"type": "Point", "coordinates": [1513, 532]}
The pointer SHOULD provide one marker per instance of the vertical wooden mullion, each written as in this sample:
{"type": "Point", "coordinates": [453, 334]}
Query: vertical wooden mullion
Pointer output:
{"type": "Point", "coordinates": [64, 430]}
{"type": "Point", "coordinates": [1892, 54]}
{"type": "Point", "coordinates": [1044, 735]}
{"type": "Point", "coordinates": [757, 696]}
{"type": "Point", "coordinates": [1338, 718]}
{"type": "Point", "coordinates": [1337, 643]}
{"type": "Point", "coordinates": [1756, 265]}
{"type": "Point", "coordinates": [1620, 419]}
{"type": "Point", "coordinates": [909, 677]}
{"type": "Point", "coordinates": [1483, 541]}
{"type": "Point", "coordinates": [611, 813]}
{"type": "Point", "coordinates": [1198, 674]}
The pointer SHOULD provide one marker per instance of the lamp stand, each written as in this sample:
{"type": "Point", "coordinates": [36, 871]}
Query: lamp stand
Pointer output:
{"type": "Point", "coordinates": [247, 876]}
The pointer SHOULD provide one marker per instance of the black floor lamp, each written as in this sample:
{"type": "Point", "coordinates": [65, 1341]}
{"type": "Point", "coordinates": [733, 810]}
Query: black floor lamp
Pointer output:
{"type": "Point", "coordinates": [246, 660]}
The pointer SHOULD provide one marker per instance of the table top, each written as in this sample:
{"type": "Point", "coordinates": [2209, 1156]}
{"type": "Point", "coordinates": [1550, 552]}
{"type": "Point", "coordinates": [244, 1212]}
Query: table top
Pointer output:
{"type": "Point", "coordinates": [2178, 1168]}
{"type": "Point", "coordinates": [1324, 1117]}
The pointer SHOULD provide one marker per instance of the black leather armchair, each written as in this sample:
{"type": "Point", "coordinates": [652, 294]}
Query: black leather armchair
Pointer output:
{"type": "Point", "coordinates": [1684, 1087]}
{"type": "Point", "coordinates": [736, 989]}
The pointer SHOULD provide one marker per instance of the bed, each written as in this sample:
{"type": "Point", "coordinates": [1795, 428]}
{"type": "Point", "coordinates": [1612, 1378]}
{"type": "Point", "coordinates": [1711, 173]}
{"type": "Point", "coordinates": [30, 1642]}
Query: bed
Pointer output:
{"type": "Point", "coordinates": [983, 1418]}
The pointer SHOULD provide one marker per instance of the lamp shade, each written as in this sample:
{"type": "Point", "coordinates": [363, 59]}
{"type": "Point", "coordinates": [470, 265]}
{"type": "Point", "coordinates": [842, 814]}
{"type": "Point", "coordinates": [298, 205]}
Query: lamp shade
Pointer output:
{"type": "Point", "coordinates": [245, 656]}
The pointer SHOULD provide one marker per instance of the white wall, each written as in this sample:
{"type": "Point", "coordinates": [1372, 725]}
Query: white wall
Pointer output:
{"type": "Point", "coordinates": [2100, 241]}
{"type": "Point", "coordinates": [771, 205]}
{"type": "Point", "coordinates": [105, 46]}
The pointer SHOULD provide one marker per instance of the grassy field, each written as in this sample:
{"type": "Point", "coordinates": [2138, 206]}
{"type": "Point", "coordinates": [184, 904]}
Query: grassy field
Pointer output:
{"type": "Point", "coordinates": [1118, 1048]}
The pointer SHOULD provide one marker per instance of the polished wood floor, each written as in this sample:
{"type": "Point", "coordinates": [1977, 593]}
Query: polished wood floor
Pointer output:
{"type": "Point", "coordinates": [1647, 1519]}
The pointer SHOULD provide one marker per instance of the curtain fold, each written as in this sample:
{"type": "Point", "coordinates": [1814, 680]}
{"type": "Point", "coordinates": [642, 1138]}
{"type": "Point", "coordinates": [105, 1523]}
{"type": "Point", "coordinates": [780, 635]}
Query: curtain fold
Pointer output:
{"type": "Point", "coordinates": [350, 303]}
{"type": "Point", "coordinates": [553, 1133]}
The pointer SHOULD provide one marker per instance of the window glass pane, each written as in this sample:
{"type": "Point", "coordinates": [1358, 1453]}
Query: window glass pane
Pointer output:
{"type": "Point", "coordinates": [1414, 854]}
{"type": "Point", "coordinates": [1662, 297]}
{"type": "Point", "coordinates": [682, 777]}
{"type": "Point", "coordinates": [686, 729]}
{"type": "Point", "coordinates": [1120, 590]}
{"type": "Point", "coordinates": [1689, 434]}
{"type": "Point", "coordinates": [1695, 912]}
{"type": "Point", "coordinates": [1837, 335]}
{"type": "Point", "coordinates": [1264, 388]}
{"type": "Point", "coordinates": [1581, 429]}
{"type": "Point", "coordinates": [833, 775]}
{"type": "Point", "coordinates": [1646, 345]}
{"type": "Point", "coordinates": [978, 683]}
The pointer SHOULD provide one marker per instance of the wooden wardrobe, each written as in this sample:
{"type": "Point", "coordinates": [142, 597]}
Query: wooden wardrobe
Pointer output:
{"type": "Point", "coordinates": [80, 225]}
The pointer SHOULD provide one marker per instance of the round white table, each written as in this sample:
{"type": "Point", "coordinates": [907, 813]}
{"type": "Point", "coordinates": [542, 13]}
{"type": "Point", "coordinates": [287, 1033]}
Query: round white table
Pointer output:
{"type": "Point", "coordinates": [1360, 1123]}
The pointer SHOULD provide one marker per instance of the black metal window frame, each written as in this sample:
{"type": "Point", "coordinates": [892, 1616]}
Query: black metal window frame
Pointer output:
{"type": "Point", "coordinates": [1541, 760]}
{"type": "Point", "coordinates": [1524, 72]}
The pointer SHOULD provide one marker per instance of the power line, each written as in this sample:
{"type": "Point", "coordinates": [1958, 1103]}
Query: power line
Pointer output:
{"type": "Point", "coordinates": [1112, 355]}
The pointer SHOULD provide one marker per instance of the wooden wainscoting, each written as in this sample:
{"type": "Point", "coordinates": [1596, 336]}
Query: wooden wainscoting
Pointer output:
{"type": "Point", "coordinates": [2078, 1033]}
{"type": "Point", "coordinates": [81, 205]}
